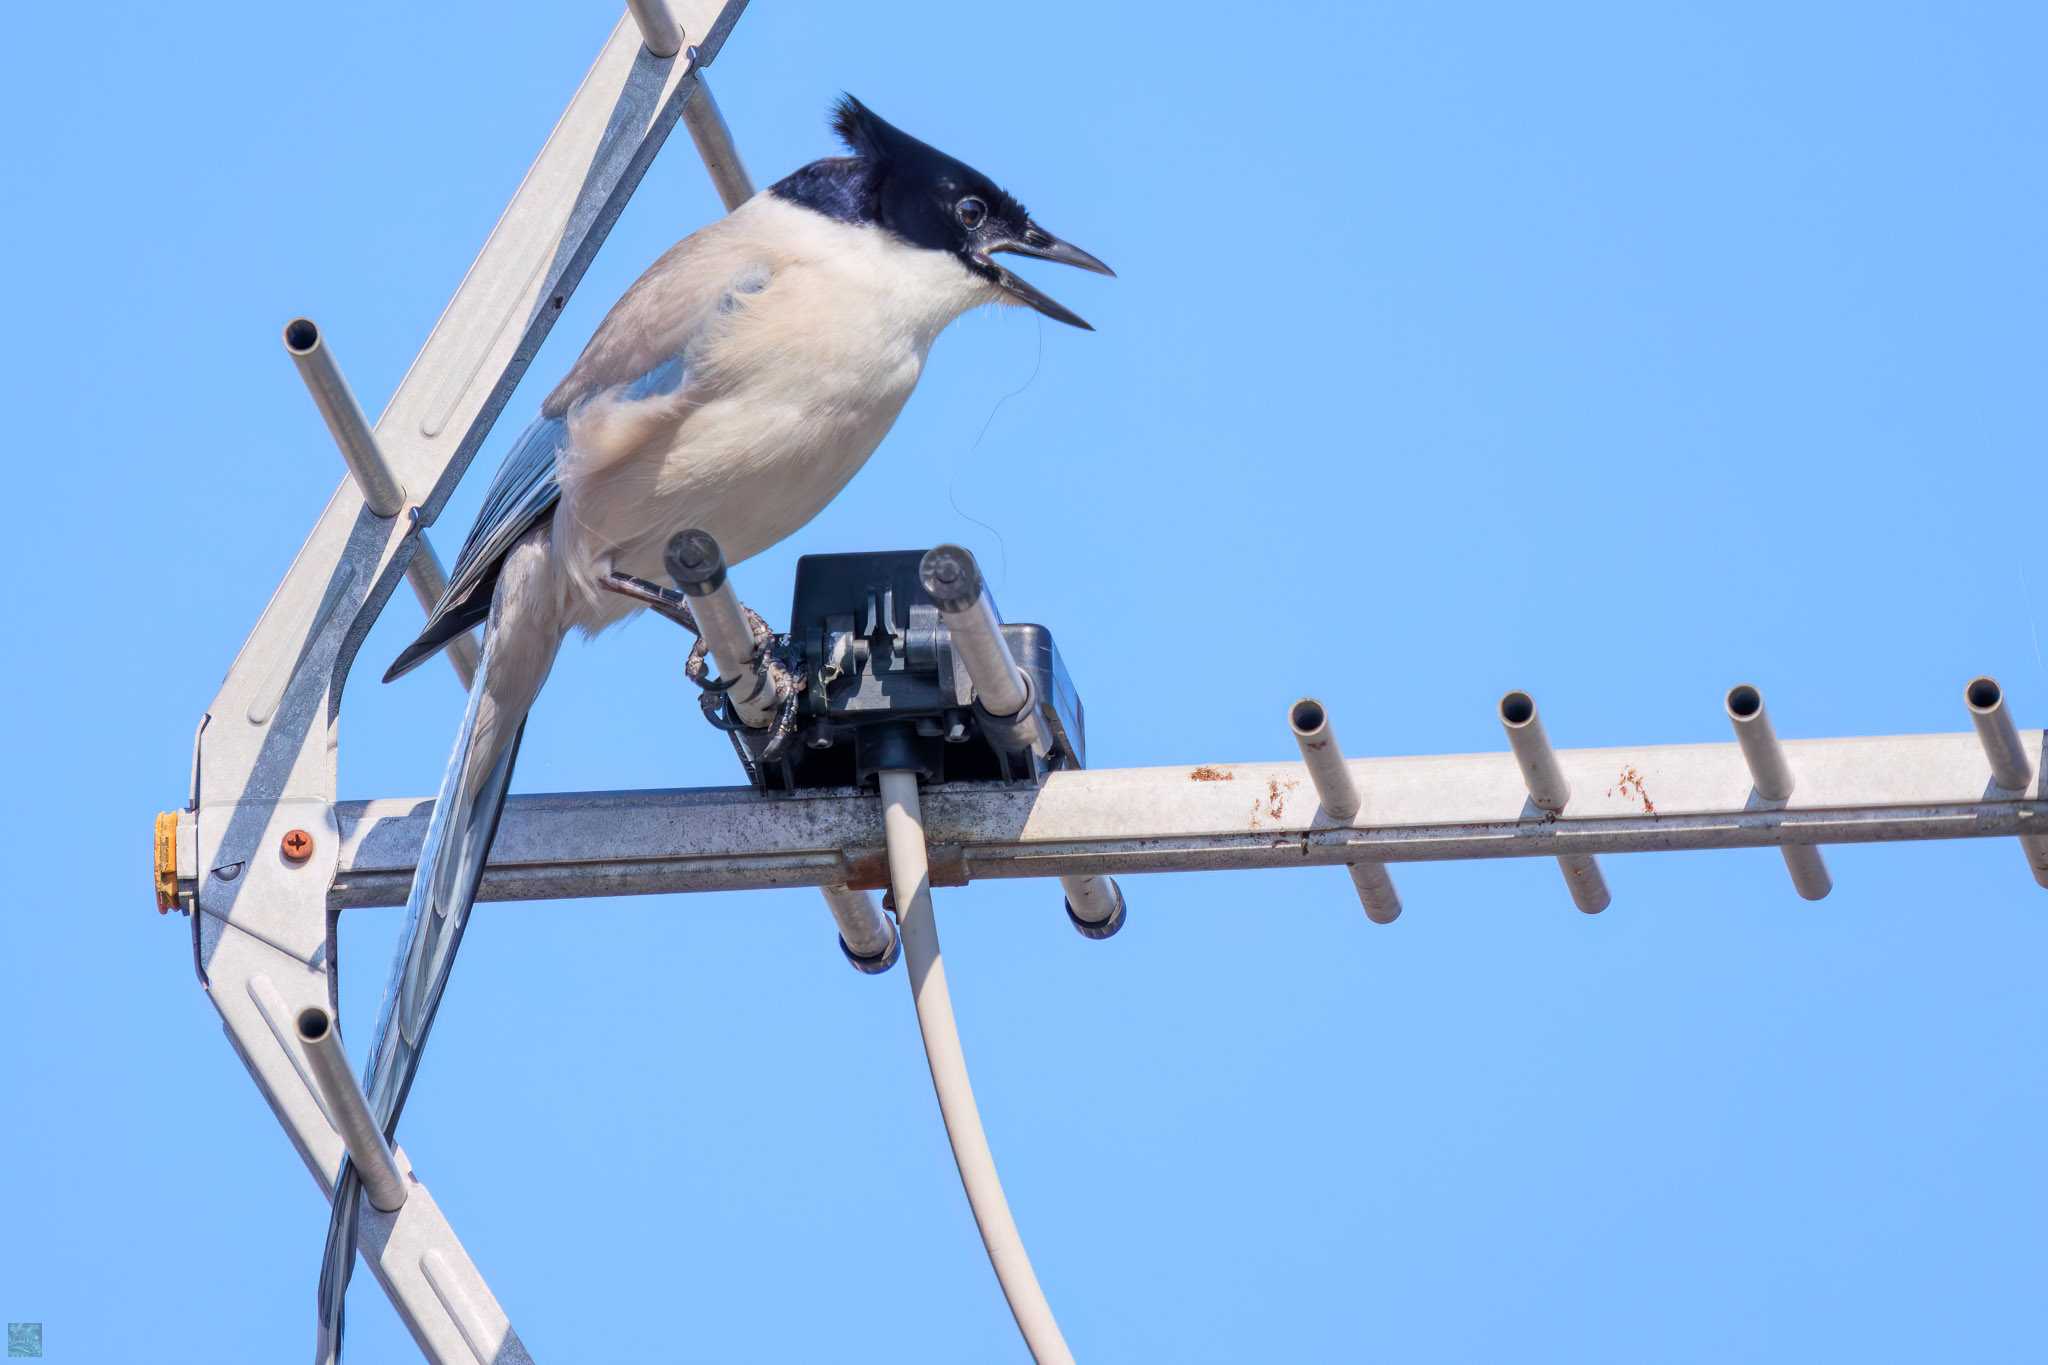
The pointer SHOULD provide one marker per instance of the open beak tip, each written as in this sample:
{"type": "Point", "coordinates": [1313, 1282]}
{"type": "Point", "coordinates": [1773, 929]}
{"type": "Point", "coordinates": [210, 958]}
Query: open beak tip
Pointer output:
{"type": "Point", "coordinates": [1060, 313]}
{"type": "Point", "coordinates": [1092, 262]}
{"type": "Point", "coordinates": [1085, 260]}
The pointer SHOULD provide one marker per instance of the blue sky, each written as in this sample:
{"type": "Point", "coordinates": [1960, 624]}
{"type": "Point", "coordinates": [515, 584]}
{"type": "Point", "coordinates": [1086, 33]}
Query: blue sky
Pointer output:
{"type": "Point", "coordinates": [1614, 352]}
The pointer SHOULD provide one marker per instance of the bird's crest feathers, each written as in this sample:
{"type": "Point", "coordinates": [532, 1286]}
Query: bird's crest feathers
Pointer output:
{"type": "Point", "coordinates": [865, 133]}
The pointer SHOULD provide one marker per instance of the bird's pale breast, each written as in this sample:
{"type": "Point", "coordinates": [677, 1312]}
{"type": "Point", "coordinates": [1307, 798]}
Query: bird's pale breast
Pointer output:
{"type": "Point", "coordinates": [805, 377]}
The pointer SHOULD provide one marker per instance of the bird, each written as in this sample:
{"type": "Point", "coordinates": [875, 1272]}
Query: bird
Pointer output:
{"type": "Point", "coordinates": [735, 387]}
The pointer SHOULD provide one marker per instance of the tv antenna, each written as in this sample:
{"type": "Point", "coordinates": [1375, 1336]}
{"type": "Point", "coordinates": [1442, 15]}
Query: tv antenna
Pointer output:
{"type": "Point", "coordinates": [932, 744]}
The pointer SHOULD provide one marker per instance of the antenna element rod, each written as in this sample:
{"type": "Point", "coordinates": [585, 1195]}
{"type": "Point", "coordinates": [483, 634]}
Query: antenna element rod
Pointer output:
{"type": "Point", "coordinates": [866, 935]}
{"type": "Point", "coordinates": [1310, 723]}
{"type": "Point", "coordinates": [1772, 774]}
{"type": "Point", "coordinates": [360, 1134]}
{"type": "Point", "coordinates": [951, 576]}
{"type": "Point", "coordinates": [2010, 767]}
{"type": "Point", "coordinates": [658, 29]}
{"type": "Point", "coordinates": [1550, 792]}
{"type": "Point", "coordinates": [382, 493]}
{"type": "Point", "coordinates": [715, 145]}
{"type": "Point", "coordinates": [698, 567]}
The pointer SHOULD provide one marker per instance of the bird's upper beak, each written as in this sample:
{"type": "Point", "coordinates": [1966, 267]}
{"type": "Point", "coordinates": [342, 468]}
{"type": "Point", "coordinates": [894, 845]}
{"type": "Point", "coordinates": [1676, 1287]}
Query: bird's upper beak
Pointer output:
{"type": "Point", "coordinates": [1036, 241]}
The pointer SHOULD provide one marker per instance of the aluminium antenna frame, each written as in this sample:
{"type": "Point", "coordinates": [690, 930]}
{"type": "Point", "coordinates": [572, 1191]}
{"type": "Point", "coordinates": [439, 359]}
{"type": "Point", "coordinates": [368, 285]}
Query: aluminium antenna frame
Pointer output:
{"type": "Point", "coordinates": [253, 853]}
{"type": "Point", "coordinates": [264, 854]}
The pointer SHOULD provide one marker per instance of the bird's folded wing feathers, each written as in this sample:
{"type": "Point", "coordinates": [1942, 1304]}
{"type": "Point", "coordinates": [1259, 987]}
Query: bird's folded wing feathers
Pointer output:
{"type": "Point", "coordinates": [526, 486]}
{"type": "Point", "coordinates": [641, 353]}
{"type": "Point", "coordinates": [522, 490]}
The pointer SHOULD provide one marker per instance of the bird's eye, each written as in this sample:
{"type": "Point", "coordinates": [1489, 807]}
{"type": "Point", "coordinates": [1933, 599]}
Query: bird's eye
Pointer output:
{"type": "Point", "coordinates": [970, 211]}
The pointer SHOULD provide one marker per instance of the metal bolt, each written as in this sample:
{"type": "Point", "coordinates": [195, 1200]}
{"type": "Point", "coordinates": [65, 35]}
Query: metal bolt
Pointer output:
{"type": "Point", "coordinates": [695, 562]}
{"type": "Point", "coordinates": [297, 845]}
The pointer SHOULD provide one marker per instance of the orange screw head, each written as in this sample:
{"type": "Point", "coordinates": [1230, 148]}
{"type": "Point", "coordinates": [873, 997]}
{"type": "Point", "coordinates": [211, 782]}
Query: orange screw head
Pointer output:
{"type": "Point", "coordinates": [297, 845]}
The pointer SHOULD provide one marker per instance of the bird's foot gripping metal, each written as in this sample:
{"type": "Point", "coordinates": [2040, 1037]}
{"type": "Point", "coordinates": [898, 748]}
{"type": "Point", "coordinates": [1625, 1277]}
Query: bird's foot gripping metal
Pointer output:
{"type": "Point", "coordinates": [886, 674]}
{"type": "Point", "coordinates": [772, 682]}
{"type": "Point", "coordinates": [772, 663]}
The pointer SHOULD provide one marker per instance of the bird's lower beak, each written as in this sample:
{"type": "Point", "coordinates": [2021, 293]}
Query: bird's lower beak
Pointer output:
{"type": "Point", "coordinates": [1036, 241]}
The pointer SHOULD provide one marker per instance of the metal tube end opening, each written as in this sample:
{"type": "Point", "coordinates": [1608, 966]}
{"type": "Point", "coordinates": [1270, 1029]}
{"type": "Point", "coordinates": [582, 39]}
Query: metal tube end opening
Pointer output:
{"type": "Point", "coordinates": [314, 1024]}
{"type": "Point", "coordinates": [1097, 894]}
{"type": "Point", "coordinates": [877, 963]}
{"type": "Point", "coordinates": [1983, 695]}
{"type": "Point", "coordinates": [1744, 702]}
{"type": "Point", "coordinates": [301, 336]}
{"type": "Point", "coordinates": [1517, 709]}
{"type": "Point", "coordinates": [1307, 718]}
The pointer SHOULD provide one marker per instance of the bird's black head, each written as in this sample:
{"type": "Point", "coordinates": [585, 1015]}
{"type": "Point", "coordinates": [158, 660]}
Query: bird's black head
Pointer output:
{"type": "Point", "coordinates": [917, 192]}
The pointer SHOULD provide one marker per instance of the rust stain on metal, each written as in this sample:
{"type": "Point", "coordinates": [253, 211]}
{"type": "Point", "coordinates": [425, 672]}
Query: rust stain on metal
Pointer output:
{"type": "Point", "coordinates": [1276, 799]}
{"type": "Point", "coordinates": [948, 864]}
{"type": "Point", "coordinates": [1630, 787]}
{"type": "Point", "coordinates": [867, 870]}
{"type": "Point", "coordinates": [1206, 773]}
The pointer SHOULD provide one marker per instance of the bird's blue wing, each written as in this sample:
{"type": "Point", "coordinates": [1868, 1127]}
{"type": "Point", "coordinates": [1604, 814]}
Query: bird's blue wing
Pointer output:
{"type": "Point", "coordinates": [522, 492]}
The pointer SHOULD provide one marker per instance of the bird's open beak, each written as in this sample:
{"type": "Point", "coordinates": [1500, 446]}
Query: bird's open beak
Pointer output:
{"type": "Point", "coordinates": [1036, 241]}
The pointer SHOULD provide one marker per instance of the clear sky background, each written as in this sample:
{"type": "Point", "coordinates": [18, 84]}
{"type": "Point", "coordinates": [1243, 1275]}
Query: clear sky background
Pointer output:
{"type": "Point", "coordinates": [1618, 353]}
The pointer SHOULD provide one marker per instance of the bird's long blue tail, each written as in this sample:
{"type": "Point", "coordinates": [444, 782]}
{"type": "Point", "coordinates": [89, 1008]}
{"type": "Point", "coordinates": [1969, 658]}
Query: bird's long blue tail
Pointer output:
{"type": "Point", "coordinates": [451, 864]}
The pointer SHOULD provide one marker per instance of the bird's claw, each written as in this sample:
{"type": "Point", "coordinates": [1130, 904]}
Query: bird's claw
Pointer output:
{"type": "Point", "coordinates": [785, 681]}
{"type": "Point", "coordinates": [697, 668]}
